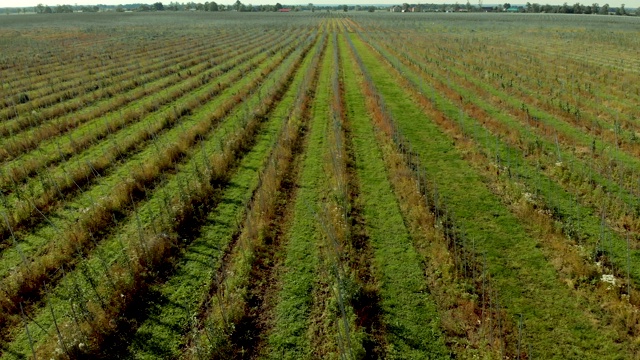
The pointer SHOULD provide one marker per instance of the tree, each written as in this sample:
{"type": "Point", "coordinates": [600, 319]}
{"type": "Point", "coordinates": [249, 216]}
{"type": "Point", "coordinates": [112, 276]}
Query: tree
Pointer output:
{"type": "Point", "coordinates": [158, 6]}
{"type": "Point", "coordinates": [48, 10]}
{"type": "Point", "coordinates": [371, 9]}
{"type": "Point", "coordinates": [119, 8]}
{"type": "Point", "coordinates": [64, 9]}
{"type": "Point", "coordinates": [40, 9]}
{"type": "Point", "coordinates": [564, 9]}
{"type": "Point", "coordinates": [604, 10]}
{"type": "Point", "coordinates": [345, 8]}
{"type": "Point", "coordinates": [577, 8]}
{"type": "Point", "coordinates": [313, 9]}
{"type": "Point", "coordinates": [529, 7]}
{"type": "Point", "coordinates": [468, 6]}
{"type": "Point", "coordinates": [213, 6]}
{"type": "Point", "coordinates": [621, 10]}
{"type": "Point", "coordinates": [278, 7]}
{"type": "Point", "coordinates": [89, 8]}
{"type": "Point", "coordinates": [237, 5]}
{"type": "Point", "coordinates": [506, 6]}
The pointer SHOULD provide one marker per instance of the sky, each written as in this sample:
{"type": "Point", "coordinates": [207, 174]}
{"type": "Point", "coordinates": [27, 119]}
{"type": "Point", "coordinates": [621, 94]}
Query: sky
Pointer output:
{"type": "Point", "coordinates": [31, 3]}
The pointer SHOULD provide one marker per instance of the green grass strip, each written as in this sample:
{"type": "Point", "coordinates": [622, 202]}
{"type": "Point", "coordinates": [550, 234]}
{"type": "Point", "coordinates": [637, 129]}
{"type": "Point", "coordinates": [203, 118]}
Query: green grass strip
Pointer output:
{"type": "Point", "coordinates": [111, 250]}
{"type": "Point", "coordinates": [289, 335]}
{"type": "Point", "coordinates": [571, 131]}
{"type": "Point", "coordinates": [580, 219]}
{"type": "Point", "coordinates": [50, 150]}
{"type": "Point", "coordinates": [556, 326]}
{"type": "Point", "coordinates": [162, 334]}
{"type": "Point", "coordinates": [409, 313]}
{"type": "Point", "coordinates": [32, 243]}
{"type": "Point", "coordinates": [289, 338]}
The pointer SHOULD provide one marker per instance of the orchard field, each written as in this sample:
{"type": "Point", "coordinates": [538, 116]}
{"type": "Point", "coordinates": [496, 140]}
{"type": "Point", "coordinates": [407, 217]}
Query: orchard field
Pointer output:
{"type": "Point", "coordinates": [326, 185]}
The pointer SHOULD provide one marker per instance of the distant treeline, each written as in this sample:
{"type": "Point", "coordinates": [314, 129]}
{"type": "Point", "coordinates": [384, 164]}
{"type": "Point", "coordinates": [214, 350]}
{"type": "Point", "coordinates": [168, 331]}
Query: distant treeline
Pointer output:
{"type": "Point", "coordinates": [188, 6]}
{"type": "Point", "coordinates": [565, 8]}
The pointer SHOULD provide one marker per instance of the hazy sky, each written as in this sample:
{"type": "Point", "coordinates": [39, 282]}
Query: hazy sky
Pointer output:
{"type": "Point", "coordinates": [31, 3]}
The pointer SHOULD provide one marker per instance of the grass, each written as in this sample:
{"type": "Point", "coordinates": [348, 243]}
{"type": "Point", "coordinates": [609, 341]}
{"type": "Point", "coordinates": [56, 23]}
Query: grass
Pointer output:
{"type": "Point", "coordinates": [134, 164]}
{"type": "Point", "coordinates": [59, 184]}
{"type": "Point", "coordinates": [185, 185]}
{"type": "Point", "coordinates": [314, 316]}
{"type": "Point", "coordinates": [571, 235]}
{"type": "Point", "coordinates": [162, 333]}
{"type": "Point", "coordinates": [43, 108]}
{"type": "Point", "coordinates": [559, 188]}
{"type": "Point", "coordinates": [526, 284]}
{"type": "Point", "coordinates": [485, 101]}
{"type": "Point", "coordinates": [289, 337]}
{"type": "Point", "coordinates": [410, 316]}
{"type": "Point", "coordinates": [128, 234]}
{"type": "Point", "coordinates": [169, 87]}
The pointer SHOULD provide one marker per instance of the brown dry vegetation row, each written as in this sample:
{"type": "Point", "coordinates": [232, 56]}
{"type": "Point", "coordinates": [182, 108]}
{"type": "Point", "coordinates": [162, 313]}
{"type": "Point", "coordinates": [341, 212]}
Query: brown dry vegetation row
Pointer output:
{"type": "Point", "coordinates": [620, 212]}
{"type": "Point", "coordinates": [59, 188]}
{"type": "Point", "coordinates": [251, 259]}
{"type": "Point", "coordinates": [158, 249]}
{"type": "Point", "coordinates": [69, 81]}
{"type": "Point", "coordinates": [42, 75]}
{"type": "Point", "coordinates": [24, 285]}
{"type": "Point", "coordinates": [618, 314]}
{"type": "Point", "coordinates": [28, 165]}
{"type": "Point", "coordinates": [60, 120]}
{"type": "Point", "coordinates": [462, 291]}
{"type": "Point", "coordinates": [36, 108]}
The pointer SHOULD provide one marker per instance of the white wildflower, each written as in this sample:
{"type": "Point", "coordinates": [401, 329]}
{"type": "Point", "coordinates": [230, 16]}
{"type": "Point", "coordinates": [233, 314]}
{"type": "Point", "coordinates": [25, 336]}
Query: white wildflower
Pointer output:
{"type": "Point", "coordinates": [610, 279]}
{"type": "Point", "coordinates": [528, 197]}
